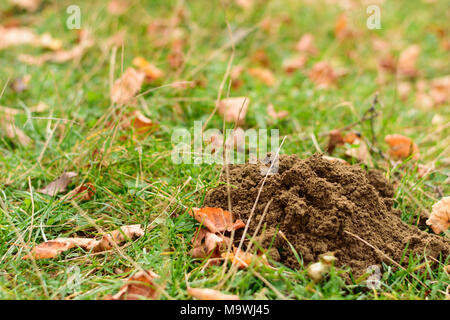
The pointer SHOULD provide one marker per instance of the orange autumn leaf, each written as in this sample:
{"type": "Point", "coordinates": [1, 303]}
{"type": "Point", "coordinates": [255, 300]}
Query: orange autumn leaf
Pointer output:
{"type": "Point", "coordinates": [439, 219]}
{"type": "Point", "coordinates": [341, 28]}
{"type": "Point", "coordinates": [407, 61]}
{"type": "Point", "coordinates": [118, 7]}
{"type": "Point", "coordinates": [335, 138]}
{"type": "Point", "coordinates": [233, 109]}
{"type": "Point", "coordinates": [142, 124]}
{"type": "Point", "coordinates": [323, 75]}
{"type": "Point", "coordinates": [276, 114]}
{"type": "Point", "coordinates": [151, 71]}
{"type": "Point", "coordinates": [401, 147]}
{"type": "Point", "coordinates": [210, 294]}
{"type": "Point", "coordinates": [53, 248]}
{"type": "Point", "coordinates": [62, 55]}
{"type": "Point", "coordinates": [295, 63]}
{"type": "Point", "coordinates": [125, 88]}
{"type": "Point", "coordinates": [306, 44]}
{"type": "Point", "coordinates": [243, 259]}
{"type": "Point", "coordinates": [264, 75]}
{"type": "Point", "coordinates": [216, 219]}
{"type": "Point", "coordinates": [139, 286]}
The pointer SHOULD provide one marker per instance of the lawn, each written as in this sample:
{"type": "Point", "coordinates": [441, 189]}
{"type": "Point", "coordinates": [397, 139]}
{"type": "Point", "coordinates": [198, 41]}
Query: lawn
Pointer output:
{"type": "Point", "coordinates": [80, 129]}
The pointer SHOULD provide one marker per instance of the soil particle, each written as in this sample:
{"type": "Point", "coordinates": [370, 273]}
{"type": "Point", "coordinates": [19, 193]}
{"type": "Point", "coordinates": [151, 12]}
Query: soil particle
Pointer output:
{"type": "Point", "coordinates": [316, 203]}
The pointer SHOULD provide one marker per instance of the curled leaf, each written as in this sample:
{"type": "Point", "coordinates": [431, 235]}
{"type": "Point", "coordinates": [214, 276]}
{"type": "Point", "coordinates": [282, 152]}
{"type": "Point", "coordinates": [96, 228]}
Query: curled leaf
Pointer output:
{"type": "Point", "coordinates": [233, 109]}
{"type": "Point", "coordinates": [264, 75]}
{"type": "Point", "coordinates": [216, 219]}
{"type": "Point", "coordinates": [125, 88]}
{"type": "Point", "coordinates": [150, 70]}
{"type": "Point", "coordinates": [323, 75]}
{"type": "Point", "coordinates": [58, 185]}
{"type": "Point", "coordinates": [243, 259]}
{"type": "Point", "coordinates": [83, 192]}
{"type": "Point", "coordinates": [439, 219]}
{"type": "Point", "coordinates": [207, 244]}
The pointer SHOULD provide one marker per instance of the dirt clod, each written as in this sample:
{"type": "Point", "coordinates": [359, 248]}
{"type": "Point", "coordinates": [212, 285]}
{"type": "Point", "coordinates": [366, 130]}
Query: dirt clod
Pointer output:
{"type": "Point", "coordinates": [318, 205]}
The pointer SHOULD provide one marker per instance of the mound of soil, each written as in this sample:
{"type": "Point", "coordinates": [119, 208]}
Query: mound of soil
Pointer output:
{"type": "Point", "coordinates": [323, 206]}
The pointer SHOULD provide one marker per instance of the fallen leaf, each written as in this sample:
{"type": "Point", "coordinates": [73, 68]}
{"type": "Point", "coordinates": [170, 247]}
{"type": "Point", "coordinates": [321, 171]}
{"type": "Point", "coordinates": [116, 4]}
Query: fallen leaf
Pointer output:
{"type": "Point", "coordinates": [118, 7]}
{"type": "Point", "coordinates": [139, 286]}
{"type": "Point", "coordinates": [243, 259]}
{"type": "Point", "coordinates": [274, 114]}
{"type": "Point", "coordinates": [52, 248]}
{"type": "Point", "coordinates": [335, 138]}
{"type": "Point", "coordinates": [210, 294]}
{"type": "Point", "coordinates": [407, 61]}
{"type": "Point", "coordinates": [216, 219]}
{"type": "Point", "coordinates": [439, 219]}
{"type": "Point", "coordinates": [208, 244]}
{"type": "Point", "coordinates": [84, 192]}
{"type": "Point", "coordinates": [401, 147]}
{"type": "Point", "coordinates": [11, 131]}
{"type": "Point", "coordinates": [263, 74]}
{"type": "Point", "coordinates": [440, 90]}
{"type": "Point", "coordinates": [341, 28]}
{"type": "Point", "coordinates": [233, 109]}
{"type": "Point", "coordinates": [61, 56]}
{"type": "Point", "coordinates": [151, 71]}
{"type": "Point", "coordinates": [141, 123]}
{"type": "Point", "coordinates": [29, 5]}
{"type": "Point", "coordinates": [323, 75]}
{"type": "Point", "coordinates": [306, 44]}
{"type": "Point", "coordinates": [295, 63]}
{"type": "Point", "coordinates": [58, 185]}
{"type": "Point", "coordinates": [126, 87]}
{"type": "Point", "coordinates": [260, 57]}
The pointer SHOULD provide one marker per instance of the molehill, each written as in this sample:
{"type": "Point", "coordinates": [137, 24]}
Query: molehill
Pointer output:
{"type": "Point", "coordinates": [323, 206]}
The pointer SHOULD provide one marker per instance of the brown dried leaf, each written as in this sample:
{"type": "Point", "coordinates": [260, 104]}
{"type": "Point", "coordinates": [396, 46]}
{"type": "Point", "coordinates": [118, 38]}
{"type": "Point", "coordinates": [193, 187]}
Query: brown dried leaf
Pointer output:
{"type": "Point", "coordinates": [142, 124]}
{"type": "Point", "coordinates": [401, 147]}
{"type": "Point", "coordinates": [210, 294]}
{"type": "Point", "coordinates": [61, 56]}
{"type": "Point", "coordinates": [323, 75]}
{"type": "Point", "coordinates": [118, 7]}
{"type": "Point", "coordinates": [407, 61]}
{"type": "Point", "coordinates": [11, 131]}
{"type": "Point", "coordinates": [233, 109]}
{"type": "Point", "coordinates": [53, 248]}
{"type": "Point", "coordinates": [207, 244]}
{"type": "Point", "coordinates": [295, 63]}
{"type": "Point", "coordinates": [263, 74]}
{"type": "Point", "coordinates": [274, 114]}
{"type": "Point", "coordinates": [125, 88]}
{"type": "Point", "coordinates": [439, 219]}
{"type": "Point", "coordinates": [216, 219]}
{"type": "Point", "coordinates": [306, 44]}
{"type": "Point", "coordinates": [243, 259]}
{"type": "Point", "coordinates": [139, 286]}
{"type": "Point", "coordinates": [151, 71]}
{"type": "Point", "coordinates": [84, 192]}
{"type": "Point", "coordinates": [58, 185]}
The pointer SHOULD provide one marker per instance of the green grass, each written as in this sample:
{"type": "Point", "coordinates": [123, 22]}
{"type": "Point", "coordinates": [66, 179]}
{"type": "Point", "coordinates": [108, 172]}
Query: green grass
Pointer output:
{"type": "Point", "coordinates": [140, 184]}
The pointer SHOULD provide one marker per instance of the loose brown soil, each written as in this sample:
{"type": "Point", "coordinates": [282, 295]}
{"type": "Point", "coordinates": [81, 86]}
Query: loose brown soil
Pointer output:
{"type": "Point", "coordinates": [316, 204]}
